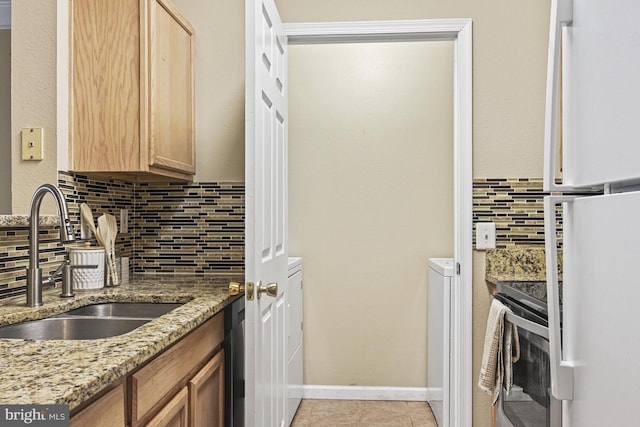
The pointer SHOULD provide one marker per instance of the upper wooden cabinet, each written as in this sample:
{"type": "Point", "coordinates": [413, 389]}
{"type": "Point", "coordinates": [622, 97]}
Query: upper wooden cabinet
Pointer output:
{"type": "Point", "coordinates": [131, 89]}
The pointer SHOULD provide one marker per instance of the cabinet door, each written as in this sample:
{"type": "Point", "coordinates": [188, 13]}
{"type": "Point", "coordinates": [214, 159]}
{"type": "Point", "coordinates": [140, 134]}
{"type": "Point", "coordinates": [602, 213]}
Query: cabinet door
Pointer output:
{"type": "Point", "coordinates": [175, 413]}
{"type": "Point", "coordinates": [132, 106]}
{"type": "Point", "coordinates": [206, 394]}
{"type": "Point", "coordinates": [105, 88]}
{"type": "Point", "coordinates": [154, 381]}
{"type": "Point", "coordinates": [108, 411]}
{"type": "Point", "coordinates": [171, 127]}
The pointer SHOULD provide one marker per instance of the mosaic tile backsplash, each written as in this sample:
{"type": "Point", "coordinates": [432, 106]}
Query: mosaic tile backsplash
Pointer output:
{"type": "Point", "coordinates": [14, 256]}
{"type": "Point", "coordinates": [190, 228]}
{"type": "Point", "coordinates": [173, 228]}
{"type": "Point", "coordinates": [199, 227]}
{"type": "Point", "coordinates": [516, 206]}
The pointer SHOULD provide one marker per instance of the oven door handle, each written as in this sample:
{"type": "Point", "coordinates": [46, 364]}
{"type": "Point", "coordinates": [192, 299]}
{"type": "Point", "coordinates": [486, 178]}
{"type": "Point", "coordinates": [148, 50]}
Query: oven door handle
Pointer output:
{"type": "Point", "coordinates": [527, 325]}
{"type": "Point", "coordinates": [561, 370]}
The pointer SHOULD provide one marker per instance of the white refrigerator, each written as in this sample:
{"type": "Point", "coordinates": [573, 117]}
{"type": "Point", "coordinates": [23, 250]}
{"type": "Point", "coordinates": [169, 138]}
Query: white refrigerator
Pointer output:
{"type": "Point", "coordinates": [593, 108]}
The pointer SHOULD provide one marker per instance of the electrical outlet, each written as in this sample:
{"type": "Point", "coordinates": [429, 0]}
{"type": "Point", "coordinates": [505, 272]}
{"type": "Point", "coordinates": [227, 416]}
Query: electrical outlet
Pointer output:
{"type": "Point", "coordinates": [485, 235]}
{"type": "Point", "coordinates": [124, 220]}
{"type": "Point", "coordinates": [32, 145]}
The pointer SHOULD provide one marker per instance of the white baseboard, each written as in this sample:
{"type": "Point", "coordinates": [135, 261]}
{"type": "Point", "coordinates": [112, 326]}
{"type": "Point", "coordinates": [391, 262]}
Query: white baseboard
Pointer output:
{"type": "Point", "coordinates": [420, 394]}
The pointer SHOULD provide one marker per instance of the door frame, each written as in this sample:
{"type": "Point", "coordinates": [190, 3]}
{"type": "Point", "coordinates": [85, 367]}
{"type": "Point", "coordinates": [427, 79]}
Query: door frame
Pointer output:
{"type": "Point", "coordinates": [458, 31]}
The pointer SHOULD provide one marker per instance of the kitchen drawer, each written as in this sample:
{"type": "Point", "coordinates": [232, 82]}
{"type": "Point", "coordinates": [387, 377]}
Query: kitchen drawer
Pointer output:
{"type": "Point", "coordinates": [107, 411]}
{"type": "Point", "coordinates": [153, 384]}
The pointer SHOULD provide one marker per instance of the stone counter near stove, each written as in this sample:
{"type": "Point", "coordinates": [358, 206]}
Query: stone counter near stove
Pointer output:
{"type": "Point", "coordinates": [517, 265]}
{"type": "Point", "coordinates": [521, 270]}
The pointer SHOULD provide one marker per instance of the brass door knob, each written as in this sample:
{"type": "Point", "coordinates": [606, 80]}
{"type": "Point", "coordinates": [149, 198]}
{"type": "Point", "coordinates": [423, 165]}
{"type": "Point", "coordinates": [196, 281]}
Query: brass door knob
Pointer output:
{"type": "Point", "coordinates": [271, 290]}
{"type": "Point", "coordinates": [236, 288]}
{"type": "Point", "coordinates": [258, 289]}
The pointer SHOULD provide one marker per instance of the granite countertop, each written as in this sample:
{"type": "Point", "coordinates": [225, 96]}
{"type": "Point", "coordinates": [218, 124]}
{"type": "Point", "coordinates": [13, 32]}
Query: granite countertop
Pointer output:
{"type": "Point", "coordinates": [518, 265]}
{"type": "Point", "coordinates": [71, 371]}
{"type": "Point", "coordinates": [18, 221]}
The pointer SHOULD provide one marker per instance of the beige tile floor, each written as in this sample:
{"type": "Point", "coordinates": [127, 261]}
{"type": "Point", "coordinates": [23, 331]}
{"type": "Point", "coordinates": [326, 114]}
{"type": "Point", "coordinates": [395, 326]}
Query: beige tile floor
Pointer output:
{"type": "Point", "coordinates": [363, 413]}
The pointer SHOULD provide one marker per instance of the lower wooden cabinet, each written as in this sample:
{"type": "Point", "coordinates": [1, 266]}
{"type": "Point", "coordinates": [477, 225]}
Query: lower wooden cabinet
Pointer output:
{"type": "Point", "coordinates": [107, 411]}
{"type": "Point", "coordinates": [206, 394]}
{"type": "Point", "coordinates": [200, 403]}
{"type": "Point", "coordinates": [153, 384]}
{"type": "Point", "coordinates": [181, 387]}
{"type": "Point", "coordinates": [173, 414]}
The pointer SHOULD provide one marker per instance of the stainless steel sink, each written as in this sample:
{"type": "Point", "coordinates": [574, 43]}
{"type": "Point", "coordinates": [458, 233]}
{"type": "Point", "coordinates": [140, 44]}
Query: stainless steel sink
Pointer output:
{"type": "Point", "coordinates": [89, 322]}
{"type": "Point", "coordinates": [82, 328]}
{"type": "Point", "coordinates": [124, 309]}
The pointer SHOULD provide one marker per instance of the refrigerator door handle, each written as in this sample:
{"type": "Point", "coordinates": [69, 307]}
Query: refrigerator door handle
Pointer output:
{"type": "Point", "coordinates": [561, 15]}
{"type": "Point", "coordinates": [561, 370]}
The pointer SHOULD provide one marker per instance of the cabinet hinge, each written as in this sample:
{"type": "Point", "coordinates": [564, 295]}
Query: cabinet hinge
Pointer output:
{"type": "Point", "coordinates": [458, 268]}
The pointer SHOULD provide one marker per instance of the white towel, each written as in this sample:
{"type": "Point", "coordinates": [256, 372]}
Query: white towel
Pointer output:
{"type": "Point", "coordinates": [501, 350]}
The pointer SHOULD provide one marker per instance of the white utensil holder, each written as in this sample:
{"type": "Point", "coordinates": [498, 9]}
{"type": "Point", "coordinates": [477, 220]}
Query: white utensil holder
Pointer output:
{"type": "Point", "coordinates": [88, 278]}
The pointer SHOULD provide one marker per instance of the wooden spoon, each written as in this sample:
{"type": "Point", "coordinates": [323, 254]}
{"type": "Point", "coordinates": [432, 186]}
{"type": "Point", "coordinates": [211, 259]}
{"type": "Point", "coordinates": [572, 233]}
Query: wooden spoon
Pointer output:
{"type": "Point", "coordinates": [112, 225]}
{"type": "Point", "coordinates": [85, 210]}
{"type": "Point", "coordinates": [108, 229]}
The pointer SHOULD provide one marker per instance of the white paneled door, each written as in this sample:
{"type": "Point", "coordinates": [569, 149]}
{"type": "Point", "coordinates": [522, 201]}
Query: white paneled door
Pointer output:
{"type": "Point", "coordinates": [266, 215]}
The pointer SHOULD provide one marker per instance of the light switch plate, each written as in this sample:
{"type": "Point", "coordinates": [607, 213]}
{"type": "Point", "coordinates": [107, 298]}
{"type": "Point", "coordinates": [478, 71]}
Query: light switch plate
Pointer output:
{"type": "Point", "coordinates": [485, 235]}
{"type": "Point", "coordinates": [32, 144]}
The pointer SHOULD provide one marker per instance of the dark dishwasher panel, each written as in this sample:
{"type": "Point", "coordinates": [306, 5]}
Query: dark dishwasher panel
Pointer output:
{"type": "Point", "coordinates": [234, 363]}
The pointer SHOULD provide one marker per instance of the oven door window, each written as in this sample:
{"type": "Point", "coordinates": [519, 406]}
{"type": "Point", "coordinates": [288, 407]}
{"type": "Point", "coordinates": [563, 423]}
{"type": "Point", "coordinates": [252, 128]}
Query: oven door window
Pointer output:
{"type": "Point", "coordinates": [529, 403]}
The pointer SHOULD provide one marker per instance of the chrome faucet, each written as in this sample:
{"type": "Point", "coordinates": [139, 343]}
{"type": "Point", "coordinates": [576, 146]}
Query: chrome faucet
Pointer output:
{"type": "Point", "coordinates": [34, 272]}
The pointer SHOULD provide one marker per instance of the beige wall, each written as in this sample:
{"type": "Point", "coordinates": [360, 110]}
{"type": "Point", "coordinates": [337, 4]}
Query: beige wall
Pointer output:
{"type": "Point", "coordinates": [370, 201]}
{"type": "Point", "coordinates": [509, 74]}
{"type": "Point", "coordinates": [219, 82]}
{"type": "Point", "coordinates": [219, 91]}
{"type": "Point", "coordinates": [5, 121]}
{"type": "Point", "coordinates": [509, 46]}
{"type": "Point", "coordinates": [509, 70]}
{"type": "Point", "coordinates": [509, 65]}
{"type": "Point", "coordinates": [481, 304]}
{"type": "Point", "coordinates": [33, 97]}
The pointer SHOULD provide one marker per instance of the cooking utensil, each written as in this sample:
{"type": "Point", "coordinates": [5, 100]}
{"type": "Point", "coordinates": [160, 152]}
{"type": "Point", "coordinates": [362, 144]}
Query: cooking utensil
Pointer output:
{"type": "Point", "coordinates": [108, 229]}
{"type": "Point", "coordinates": [100, 237]}
{"type": "Point", "coordinates": [87, 215]}
{"type": "Point", "coordinates": [113, 232]}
